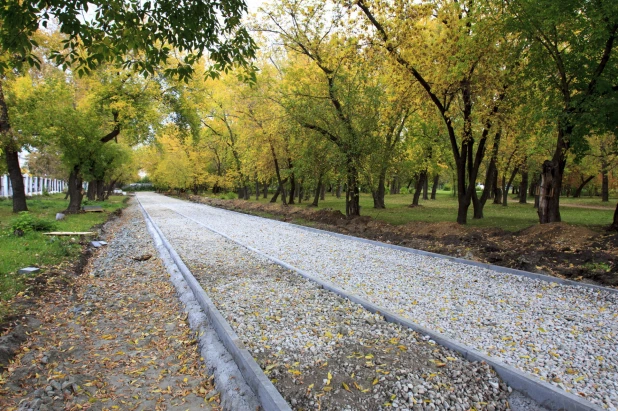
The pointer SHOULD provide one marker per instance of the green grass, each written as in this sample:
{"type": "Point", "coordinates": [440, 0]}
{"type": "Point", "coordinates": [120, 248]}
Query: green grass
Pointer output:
{"type": "Point", "coordinates": [514, 217]}
{"type": "Point", "coordinates": [35, 249]}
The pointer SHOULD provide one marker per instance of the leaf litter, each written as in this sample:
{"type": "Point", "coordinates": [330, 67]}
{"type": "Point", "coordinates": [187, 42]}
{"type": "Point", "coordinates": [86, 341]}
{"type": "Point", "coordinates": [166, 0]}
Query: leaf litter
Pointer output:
{"type": "Point", "coordinates": [116, 338]}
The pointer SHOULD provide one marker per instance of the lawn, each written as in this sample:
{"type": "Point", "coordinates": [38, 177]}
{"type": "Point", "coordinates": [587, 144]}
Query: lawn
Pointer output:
{"type": "Point", "coordinates": [513, 217]}
{"type": "Point", "coordinates": [36, 249]}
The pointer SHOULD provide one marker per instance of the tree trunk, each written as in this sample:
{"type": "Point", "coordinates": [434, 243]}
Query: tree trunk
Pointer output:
{"type": "Point", "coordinates": [110, 188]}
{"type": "Point", "coordinates": [100, 190]}
{"type": "Point", "coordinates": [292, 189]}
{"type": "Point", "coordinates": [549, 198]}
{"type": "Point", "coordinates": [257, 190]}
{"type": "Point", "coordinates": [537, 189]}
{"type": "Point", "coordinates": [505, 189]}
{"type": "Point", "coordinates": [12, 158]}
{"type": "Point", "coordinates": [75, 191]}
{"type": "Point", "coordinates": [265, 189]}
{"type": "Point", "coordinates": [497, 190]}
{"type": "Point", "coordinates": [276, 195]}
{"type": "Point", "coordinates": [434, 187]}
{"type": "Point", "coordinates": [352, 194]}
{"type": "Point", "coordinates": [91, 192]}
{"type": "Point", "coordinates": [338, 192]}
{"type": "Point", "coordinates": [479, 203]}
{"type": "Point", "coordinates": [318, 190]}
{"type": "Point", "coordinates": [323, 192]}
{"type": "Point", "coordinates": [426, 188]}
{"type": "Point", "coordinates": [523, 188]}
{"type": "Point", "coordinates": [604, 182]}
{"type": "Point", "coordinates": [418, 187]}
{"type": "Point", "coordinates": [614, 225]}
{"type": "Point", "coordinates": [578, 191]}
{"type": "Point", "coordinates": [378, 195]}
{"type": "Point", "coordinates": [491, 175]}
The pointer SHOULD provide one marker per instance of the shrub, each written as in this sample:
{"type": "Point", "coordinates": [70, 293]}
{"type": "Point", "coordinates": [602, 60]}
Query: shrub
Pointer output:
{"type": "Point", "coordinates": [26, 222]}
{"type": "Point", "coordinates": [404, 190]}
{"type": "Point", "coordinates": [228, 196]}
{"type": "Point", "coordinates": [446, 187]}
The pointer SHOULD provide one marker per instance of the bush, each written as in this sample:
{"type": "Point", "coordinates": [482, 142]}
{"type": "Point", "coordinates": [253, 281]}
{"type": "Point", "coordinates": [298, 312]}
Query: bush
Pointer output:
{"type": "Point", "coordinates": [404, 190]}
{"type": "Point", "coordinates": [228, 196]}
{"type": "Point", "coordinates": [446, 187]}
{"type": "Point", "coordinates": [26, 222]}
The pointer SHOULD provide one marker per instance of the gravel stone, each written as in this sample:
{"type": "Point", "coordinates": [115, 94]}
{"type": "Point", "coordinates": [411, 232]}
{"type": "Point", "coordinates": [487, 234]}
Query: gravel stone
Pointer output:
{"type": "Point", "coordinates": [321, 350]}
{"type": "Point", "coordinates": [564, 334]}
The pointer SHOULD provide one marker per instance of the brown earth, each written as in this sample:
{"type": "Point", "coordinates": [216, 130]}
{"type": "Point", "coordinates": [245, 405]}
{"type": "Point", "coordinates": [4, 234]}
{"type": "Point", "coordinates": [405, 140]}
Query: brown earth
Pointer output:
{"type": "Point", "coordinates": [111, 335]}
{"type": "Point", "coordinates": [557, 249]}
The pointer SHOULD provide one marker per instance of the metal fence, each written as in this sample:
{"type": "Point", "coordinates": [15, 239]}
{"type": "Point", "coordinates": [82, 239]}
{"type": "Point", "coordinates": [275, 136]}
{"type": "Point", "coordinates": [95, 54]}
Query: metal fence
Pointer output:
{"type": "Point", "coordinates": [33, 185]}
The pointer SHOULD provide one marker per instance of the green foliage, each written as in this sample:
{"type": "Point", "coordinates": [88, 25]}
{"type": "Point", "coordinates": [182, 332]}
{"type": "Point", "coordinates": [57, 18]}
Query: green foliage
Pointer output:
{"type": "Point", "coordinates": [228, 196]}
{"type": "Point", "coordinates": [26, 222]}
{"type": "Point", "coordinates": [134, 34]}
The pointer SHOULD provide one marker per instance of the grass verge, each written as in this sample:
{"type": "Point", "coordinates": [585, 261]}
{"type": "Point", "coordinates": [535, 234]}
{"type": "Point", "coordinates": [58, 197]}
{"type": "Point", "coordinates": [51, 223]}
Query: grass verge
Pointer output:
{"type": "Point", "coordinates": [36, 249]}
{"type": "Point", "coordinates": [513, 217]}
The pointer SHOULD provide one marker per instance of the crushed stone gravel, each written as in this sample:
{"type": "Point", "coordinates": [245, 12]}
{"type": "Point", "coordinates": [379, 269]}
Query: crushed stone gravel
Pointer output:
{"type": "Point", "coordinates": [565, 335]}
{"type": "Point", "coordinates": [322, 351]}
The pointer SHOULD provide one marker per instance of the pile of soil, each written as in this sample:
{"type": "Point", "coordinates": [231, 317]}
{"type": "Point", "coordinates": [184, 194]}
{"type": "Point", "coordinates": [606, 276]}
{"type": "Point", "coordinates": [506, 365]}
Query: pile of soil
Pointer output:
{"type": "Point", "coordinates": [558, 249]}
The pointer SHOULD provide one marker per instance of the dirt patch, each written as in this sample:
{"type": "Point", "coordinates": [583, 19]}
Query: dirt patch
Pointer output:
{"type": "Point", "coordinates": [51, 280]}
{"type": "Point", "coordinates": [113, 338]}
{"type": "Point", "coordinates": [562, 250]}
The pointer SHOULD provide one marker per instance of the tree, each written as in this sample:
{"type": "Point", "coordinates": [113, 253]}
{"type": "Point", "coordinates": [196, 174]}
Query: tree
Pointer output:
{"type": "Point", "coordinates": [570, 55]}
{"type": "Point", "coordinates": [455, 52]}
{"type": "Point", "coordinates": [132, 34]}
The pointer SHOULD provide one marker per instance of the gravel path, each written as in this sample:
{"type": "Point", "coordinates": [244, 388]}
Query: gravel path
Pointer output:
{"type": "Point", "coordinates": [322, 351]}
{"type": "Point", "coordinates": [115, 338]}
{"type": "Point", "coordinates": [563, 334]}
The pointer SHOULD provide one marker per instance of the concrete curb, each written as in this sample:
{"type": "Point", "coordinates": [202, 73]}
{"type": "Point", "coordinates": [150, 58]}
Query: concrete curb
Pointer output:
{"type": "Point", "coordinates": [506, 270]}
{"type": "Point", "coordinates": [234, 391]}
{"type": "Point", "coordinates": [540, 391]}
{"type": "Point", "coordinates": [269, 397]}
